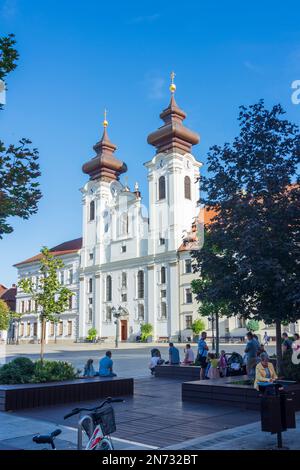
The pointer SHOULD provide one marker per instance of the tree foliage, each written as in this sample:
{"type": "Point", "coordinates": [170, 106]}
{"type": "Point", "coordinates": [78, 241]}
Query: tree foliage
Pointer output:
{"type": "Point", "coordinates": [19, 167]}
{"type": "Point", "coordinates": [251, 252]}
{"type": "Point", "coordinates": [253, 325]}
{"type": "Point", "coordinates": [198, 325]}
{"type": "Point", "coordinates": [252, 249]}
{"type": "Point", "coordinates": [146, 331]}
{"type": "Point", "coordinates": [4, 315]}
{"type": "Point", "coordinates": [51, 297]}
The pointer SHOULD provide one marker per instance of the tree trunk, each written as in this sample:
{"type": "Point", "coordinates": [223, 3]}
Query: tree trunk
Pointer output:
{"type": "Point", "coordinates": [43, 339]}
{"type": "Point", "coordinates": [278, 347]}
{"type": "Point", "coordinates": [217, 334]}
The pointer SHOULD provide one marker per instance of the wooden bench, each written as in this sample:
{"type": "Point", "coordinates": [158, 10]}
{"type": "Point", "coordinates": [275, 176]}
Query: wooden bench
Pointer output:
{"type": "Point", "coordinates": [163, 339]}
{"type": "Point", "coordinates": [17, 397]}
{"type": "Point", "coordinates": [178, 372]}
{"type": "Point", "coordinates": [224, 392]}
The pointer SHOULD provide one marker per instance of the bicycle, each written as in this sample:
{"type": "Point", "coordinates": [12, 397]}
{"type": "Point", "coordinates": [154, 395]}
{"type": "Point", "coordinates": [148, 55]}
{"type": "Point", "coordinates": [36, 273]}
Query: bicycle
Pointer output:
{"type": "Point", "coordinates": [98, 425]}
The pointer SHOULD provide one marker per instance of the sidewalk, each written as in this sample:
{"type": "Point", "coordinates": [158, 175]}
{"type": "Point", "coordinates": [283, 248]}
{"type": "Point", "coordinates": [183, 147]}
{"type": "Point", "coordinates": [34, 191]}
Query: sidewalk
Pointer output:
{"type": "Point", "coordinates": [247, 437]}
{"type": "Point", "coordinates": [16, 433]}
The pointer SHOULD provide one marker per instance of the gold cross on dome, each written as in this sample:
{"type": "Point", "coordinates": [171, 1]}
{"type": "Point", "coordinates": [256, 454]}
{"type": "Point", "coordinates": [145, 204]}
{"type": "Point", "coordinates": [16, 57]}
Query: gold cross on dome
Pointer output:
{"type": "Point", "coordinates": [105, 121]}
{"type": "Point", "coordinates": [172, 86]}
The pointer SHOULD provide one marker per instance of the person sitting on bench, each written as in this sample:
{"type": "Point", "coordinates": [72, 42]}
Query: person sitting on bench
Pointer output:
{"type": "Point", "coordinates": [174, 358]}
{"type": "Point", "coordinates": [188, 355]}
{"type": "Point", "coordinates": [106, 366]}
{"type": "Point", "coordinates": [89, 370]}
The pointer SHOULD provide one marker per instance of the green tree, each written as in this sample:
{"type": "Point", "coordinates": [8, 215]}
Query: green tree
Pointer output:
{"type": "Point", "coordinates": [254, 186]}
{"type": "Point", "coordinates": [4, 315]}
{"type": "Point", "coordinates": [146, 331]}
{"type": "Point", "coordinates": [92, 334]}
{"type": "Point", "coordinates": [19, 167]}
{"type": "Point", "coordinates": [198, 325]}
{"type": "Point", "coordinates": [51, 297]}
{"type": "Point", "coordinates": [253, 325]}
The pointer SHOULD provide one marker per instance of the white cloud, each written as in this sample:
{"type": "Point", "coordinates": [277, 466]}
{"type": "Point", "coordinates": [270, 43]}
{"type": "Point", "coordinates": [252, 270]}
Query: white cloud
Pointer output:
{"type": "Point", "coordinates": [253, 67]}
{"type": "Point", "coordinates": [156, 87]}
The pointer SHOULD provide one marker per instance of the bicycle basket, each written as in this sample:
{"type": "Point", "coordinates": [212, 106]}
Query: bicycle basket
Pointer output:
{"type": "Point", "coordinates": [106, 419]}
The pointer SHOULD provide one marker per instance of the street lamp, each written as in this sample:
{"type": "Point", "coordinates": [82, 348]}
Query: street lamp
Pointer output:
{"type": "Point", "coordinates": [212, 319]}
{"type": "Point", "coordinates": [117, 313]}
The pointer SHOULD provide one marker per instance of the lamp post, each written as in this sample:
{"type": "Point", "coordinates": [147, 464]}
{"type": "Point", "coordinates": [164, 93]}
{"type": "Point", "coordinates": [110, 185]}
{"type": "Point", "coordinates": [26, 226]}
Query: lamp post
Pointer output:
{"type": "Point", "coordinates": [212, 319]}
{"type": "Point", "coordinates": [117, 313]}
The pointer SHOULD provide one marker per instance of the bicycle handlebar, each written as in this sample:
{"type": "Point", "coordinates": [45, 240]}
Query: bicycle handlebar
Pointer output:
{"type": "Point", "coordinates": [76, 411]}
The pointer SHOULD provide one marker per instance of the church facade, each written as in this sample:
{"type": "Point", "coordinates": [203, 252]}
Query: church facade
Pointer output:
{"type": "Point", "coordinates": [131, 259]}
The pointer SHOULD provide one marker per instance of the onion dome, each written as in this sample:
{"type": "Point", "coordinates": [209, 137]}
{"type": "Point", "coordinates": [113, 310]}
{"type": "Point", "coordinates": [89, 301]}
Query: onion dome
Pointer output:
{"type": "Point", "coordinates": [173, 135]}
{"type": "Point", "coordinates": [104, 166]}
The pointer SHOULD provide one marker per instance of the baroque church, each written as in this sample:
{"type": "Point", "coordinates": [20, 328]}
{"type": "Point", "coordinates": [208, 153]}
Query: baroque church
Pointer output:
{"type": "Point", "coordinates": [131, 260]}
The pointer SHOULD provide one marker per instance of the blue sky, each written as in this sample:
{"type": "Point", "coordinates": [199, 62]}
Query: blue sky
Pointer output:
{"type": "Point", "coordinates": [78, 57]}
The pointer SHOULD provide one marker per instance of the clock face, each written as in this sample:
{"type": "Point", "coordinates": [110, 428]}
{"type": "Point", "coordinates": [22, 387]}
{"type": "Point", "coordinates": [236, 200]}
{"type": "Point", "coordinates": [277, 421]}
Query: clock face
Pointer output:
{"type": "Point", "coordinates": [115, 187]}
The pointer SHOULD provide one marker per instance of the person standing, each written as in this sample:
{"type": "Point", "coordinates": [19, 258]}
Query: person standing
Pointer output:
{"type": "Point", "coordinates": [223, 364]}
{"type": "Point", "coordinates": [251, 351]}
{"type": "Point", "coordinates": [202, 354]}
{"type": "Point", "coordinates": [266, 339]}
{"type": "Point", "coordinates": [106, 366]}
{"type": "Point", "coordinates": [286, 343]}
{"type": "Point", "coordinates": [174, 358]}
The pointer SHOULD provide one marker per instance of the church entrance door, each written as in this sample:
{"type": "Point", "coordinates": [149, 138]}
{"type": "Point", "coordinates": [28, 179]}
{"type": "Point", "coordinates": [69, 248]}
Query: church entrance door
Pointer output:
{"type": "Point", "coordinates": [124, 334]}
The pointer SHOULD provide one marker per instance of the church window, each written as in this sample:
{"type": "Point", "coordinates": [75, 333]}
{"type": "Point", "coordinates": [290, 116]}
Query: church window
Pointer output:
{"type": "Point", "coordinates": [140, 279]}
{"type": "Point", "coordinates": [92, 210]}
{"type": "Point", "coordinates": [124, 280]}
{"type": "Point", "coordinates": [162, 188]}
{"type": "Point", "coordinates": [108, 314]}
{"type": "Point", "coordinates": [163, 310]}
{"type": "Point", "coordinates": [187, 187]}
{"type": "Point", "coordinates": [141, 313]}
{"type": "Point", "coordinates": [163, 275]}
{"type": "Point", "coordinates": [108, 289]}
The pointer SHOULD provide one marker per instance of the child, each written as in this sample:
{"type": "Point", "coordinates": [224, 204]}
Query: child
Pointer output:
{"type": "Point", "coordinates": [89, 370]}
{"type": "Point", "coordinates": [188, 355]}
{"type": "Point", "coordinates": [213, 371]}
{"type": "Point", "coordinates": [154, 361]}
{"type": "Point", "coordinates": [223, 364]}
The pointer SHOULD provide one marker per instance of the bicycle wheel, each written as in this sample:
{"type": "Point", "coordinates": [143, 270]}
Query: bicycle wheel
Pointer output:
{"type": "Point", "coordinates": [104, 445]}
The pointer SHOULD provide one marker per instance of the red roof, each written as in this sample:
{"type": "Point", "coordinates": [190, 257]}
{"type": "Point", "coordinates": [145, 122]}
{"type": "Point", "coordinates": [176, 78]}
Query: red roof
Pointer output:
{"type": "Point", "coordinates": [71, 246]}
{"type": "Point", "coordinates": [190, 242]}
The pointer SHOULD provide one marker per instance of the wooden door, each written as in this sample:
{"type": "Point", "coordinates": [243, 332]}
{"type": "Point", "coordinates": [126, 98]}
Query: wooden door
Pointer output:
{"type": "Point", "coordinates": [123, 330]}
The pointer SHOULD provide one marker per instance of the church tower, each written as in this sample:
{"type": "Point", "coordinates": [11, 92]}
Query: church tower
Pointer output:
{"type": "Point", "coordinates": [172, 176]}
{"type": "Point", "coordinates": [98, 194]}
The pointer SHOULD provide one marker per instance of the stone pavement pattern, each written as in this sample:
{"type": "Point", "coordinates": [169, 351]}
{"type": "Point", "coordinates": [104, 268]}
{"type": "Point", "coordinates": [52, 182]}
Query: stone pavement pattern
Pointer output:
{"type": "Point", "coordinates": [155, 416]}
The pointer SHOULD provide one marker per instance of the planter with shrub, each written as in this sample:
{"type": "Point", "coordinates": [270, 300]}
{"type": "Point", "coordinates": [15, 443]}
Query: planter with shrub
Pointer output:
{"type": "Point", "coordinates": [23, 370]}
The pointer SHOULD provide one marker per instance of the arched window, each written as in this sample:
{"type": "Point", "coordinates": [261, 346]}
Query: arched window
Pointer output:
{"type": "Point", "coordinates": [124, 280]}
{"type": "Point", "coordinates": [92, 210]}
{"type": "Point", "coordinates": [140, 286]}
{"type": "Point", "coordinates": [108, 289]}
{"type": "Point", "coordinates": [162, 188]}
{"type": "Point", "coordinates": [108, 314]}
{"type": "Point", "coordinates": [163, 310]}
{"type": "Point", "coordinates": [163, 275]}
{"type": "Point", "coordinates": [187, 187]}
{"type": "Point", "coordinates": [141, 314]}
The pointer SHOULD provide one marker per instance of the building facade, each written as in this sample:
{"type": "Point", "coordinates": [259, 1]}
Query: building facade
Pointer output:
{"type": "Point", "coordinates": [132, 259]}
